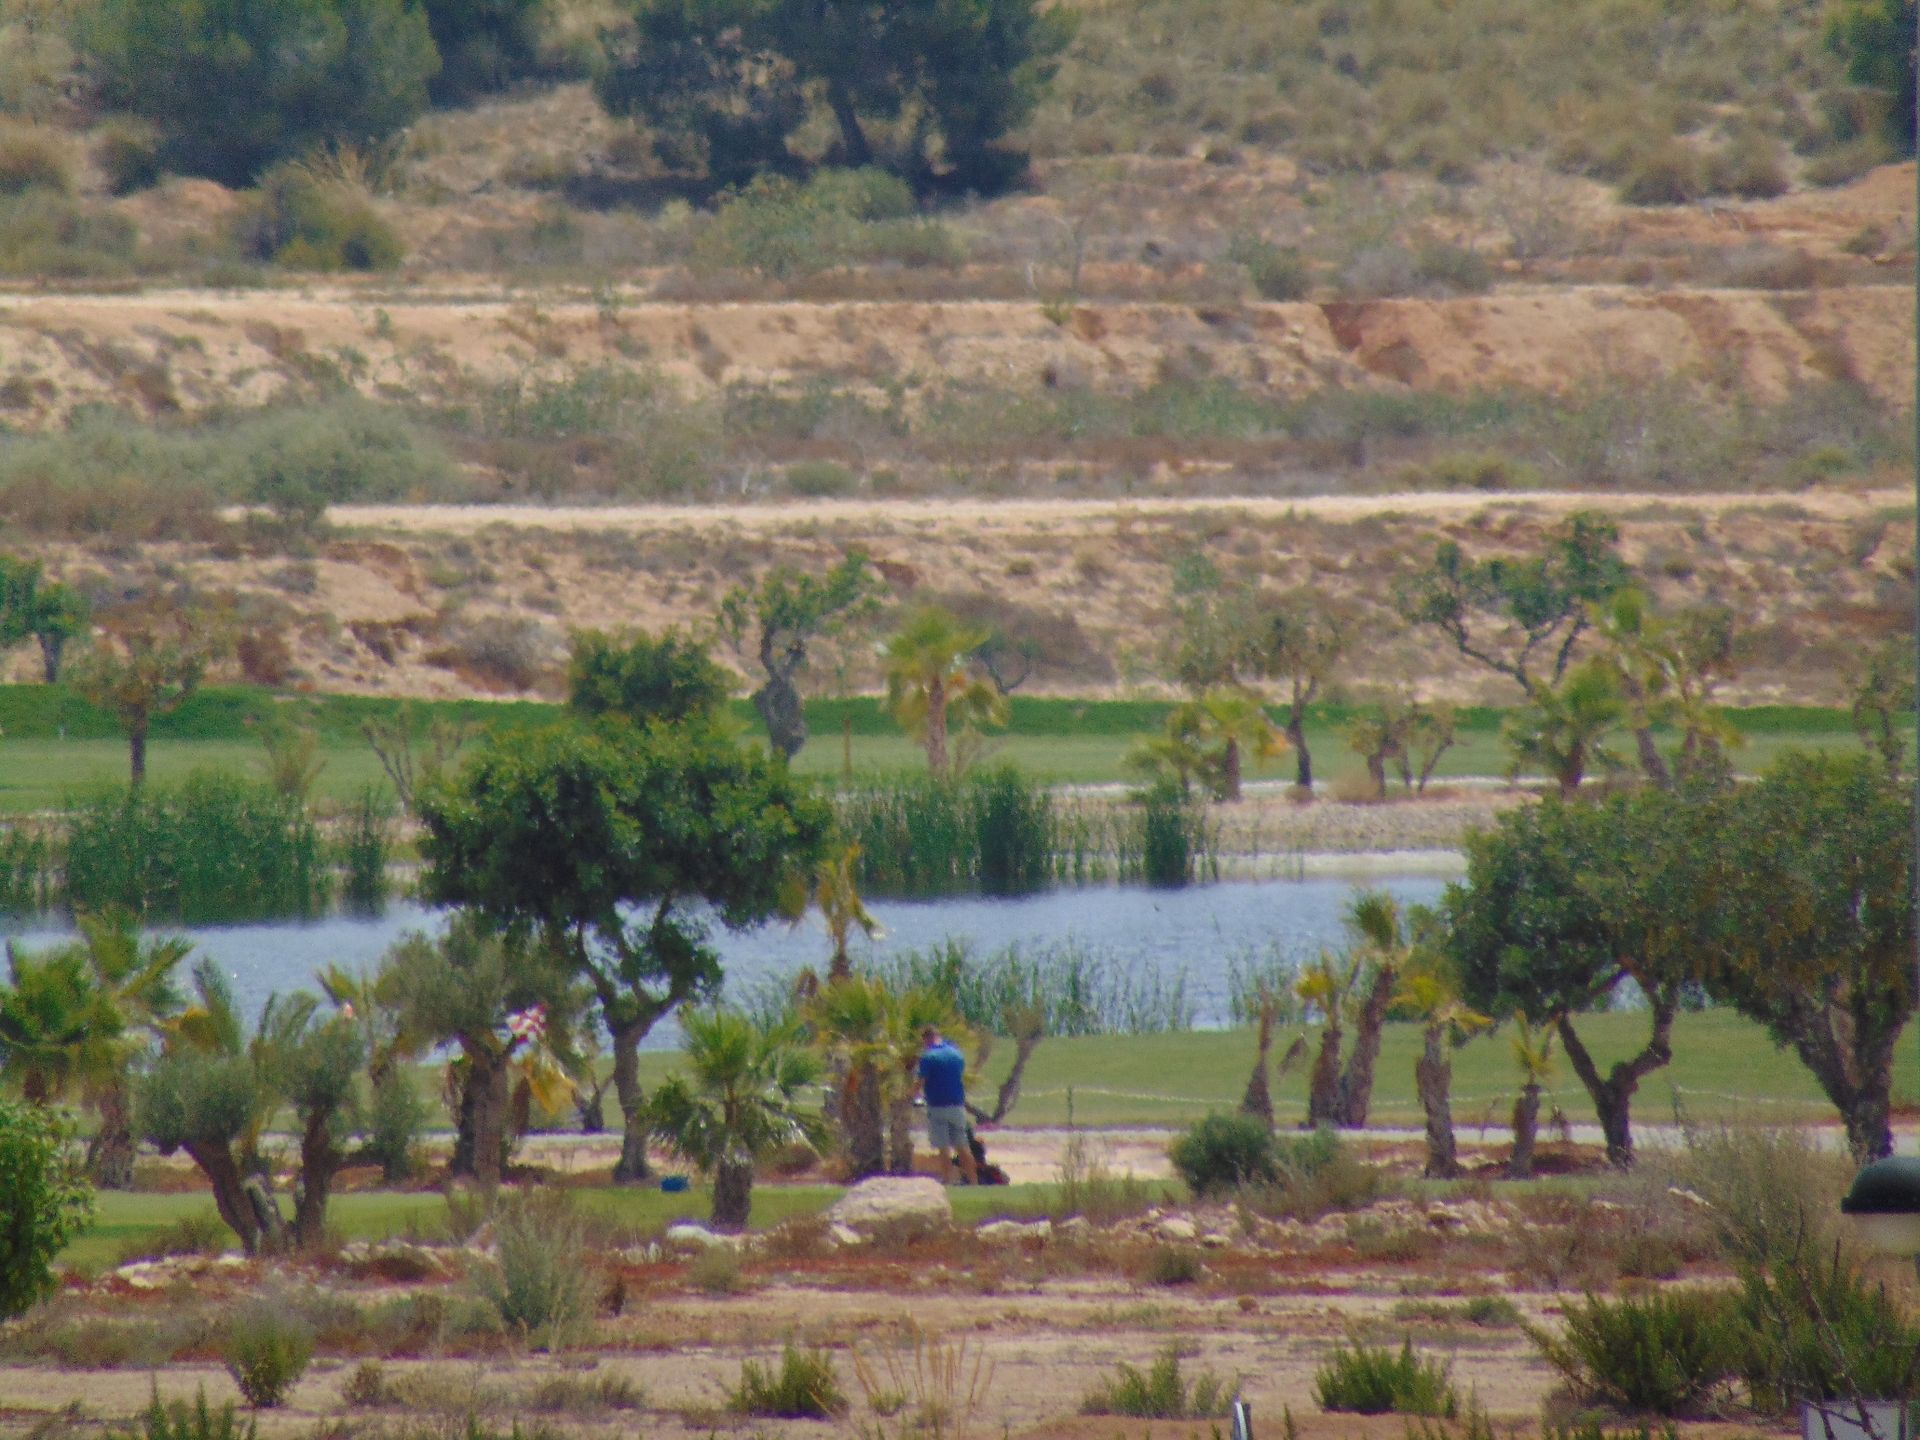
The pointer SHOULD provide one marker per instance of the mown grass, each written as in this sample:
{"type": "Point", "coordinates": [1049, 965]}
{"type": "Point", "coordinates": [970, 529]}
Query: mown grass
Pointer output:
{"type": "Point", "coordinates": [53, 745]}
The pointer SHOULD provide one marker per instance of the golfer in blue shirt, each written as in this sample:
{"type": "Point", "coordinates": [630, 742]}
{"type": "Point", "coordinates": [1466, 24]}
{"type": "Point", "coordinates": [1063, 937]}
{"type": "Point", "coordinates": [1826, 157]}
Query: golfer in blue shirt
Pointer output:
{"type": "Point", "coordinates": [943, 1080]}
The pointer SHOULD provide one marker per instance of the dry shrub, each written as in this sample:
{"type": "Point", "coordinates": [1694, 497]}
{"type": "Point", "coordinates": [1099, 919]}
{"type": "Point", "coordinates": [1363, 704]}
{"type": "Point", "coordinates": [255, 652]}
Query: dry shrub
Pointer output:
{"type": "Point", "coordinates": [1766, 1194]}
{"type": "Point", "coordinates": [1759, 265]}
{"type": "Point", "coordinates": [498, 652]}
{"type": "Point", "coordinates": [34, 157]}
{"type": "Point", "coordinates": [1670, 174]}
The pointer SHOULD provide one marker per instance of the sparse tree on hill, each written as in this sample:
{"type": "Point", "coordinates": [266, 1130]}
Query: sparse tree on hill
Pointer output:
{"type": "Point", "coordinates": [35, 608]}
{"type": "Point", "coordinates": [147, 659]}
{"type": "Point", "coordinates": [1304, 642]}
{"type": "Point", "coordinates": [776, 621]}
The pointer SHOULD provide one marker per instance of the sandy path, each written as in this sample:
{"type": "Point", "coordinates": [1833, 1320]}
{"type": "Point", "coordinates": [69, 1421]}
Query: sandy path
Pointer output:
{"type": "Point", "coordinates": [1008, 514]}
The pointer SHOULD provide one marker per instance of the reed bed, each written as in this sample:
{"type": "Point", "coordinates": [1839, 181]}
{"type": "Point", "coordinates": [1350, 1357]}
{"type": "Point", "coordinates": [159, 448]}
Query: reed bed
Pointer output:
{"type": "Point", "coordinates": [997, 832]}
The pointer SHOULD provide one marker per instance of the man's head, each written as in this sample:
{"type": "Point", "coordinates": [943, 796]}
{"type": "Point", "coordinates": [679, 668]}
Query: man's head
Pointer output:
{"type": "Point", "coordinates": [929, 1035]}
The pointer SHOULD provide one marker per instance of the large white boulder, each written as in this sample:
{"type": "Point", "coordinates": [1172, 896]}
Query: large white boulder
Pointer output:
{"type": "Point", "coordinates": [888, 1201]}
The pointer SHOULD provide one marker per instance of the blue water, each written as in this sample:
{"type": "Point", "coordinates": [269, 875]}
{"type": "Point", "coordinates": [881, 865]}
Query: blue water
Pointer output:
{"type": "Point", "coordinates": [1196, 935]}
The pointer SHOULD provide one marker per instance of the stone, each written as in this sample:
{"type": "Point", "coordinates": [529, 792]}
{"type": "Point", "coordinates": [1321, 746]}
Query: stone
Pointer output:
{"type": "Point", "coordinates": [1177, 1227]}
{"type": "Point", "coordinates": [1214, 1240]}
{"type": "Point", "coordinates": [893, 1200]}
{"type": "Point", "coordinates": [1074, 1227]}
{"type": "Point", "coordinates": [843, 1235]}
{"type": "Point", "coordinates": [691, 1236]}
{"type": "Point", "coordinates": [1014, 1231]}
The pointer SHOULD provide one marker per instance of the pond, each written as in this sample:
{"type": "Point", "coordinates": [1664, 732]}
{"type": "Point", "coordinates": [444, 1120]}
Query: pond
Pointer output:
{"type": "Point", "coordinates": [1196, 936]}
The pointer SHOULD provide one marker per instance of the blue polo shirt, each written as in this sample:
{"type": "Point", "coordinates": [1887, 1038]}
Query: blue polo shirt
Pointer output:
{"type": "Point", "coordinates": [942, 1072]}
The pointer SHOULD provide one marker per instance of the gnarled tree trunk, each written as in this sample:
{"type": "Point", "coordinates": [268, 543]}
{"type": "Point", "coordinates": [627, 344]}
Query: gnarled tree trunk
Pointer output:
{"type": "Point", "coordinates": [1258, 1099]}
{"type": "Point", "coordinates": [1526, 1129]}
{"type": "Point", "coordinates": [732, 1194]}
{"type": "Point", "coordinates": [633, 1166]}
{"type": "Point", "coordinates": [111, 1151]}
{"type": "Point", "coordinates": [1356, 1084]}
{"type": "Point", "coordinates": [1613, 1094]}
{"type": "Point", "coordinates": [1323, 1089]}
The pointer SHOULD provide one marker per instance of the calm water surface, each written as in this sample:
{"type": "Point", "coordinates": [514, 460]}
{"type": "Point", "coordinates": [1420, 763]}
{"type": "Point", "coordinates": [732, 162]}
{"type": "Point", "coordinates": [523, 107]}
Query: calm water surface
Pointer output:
{"type": "Point", "coordinates": [1196, 934]}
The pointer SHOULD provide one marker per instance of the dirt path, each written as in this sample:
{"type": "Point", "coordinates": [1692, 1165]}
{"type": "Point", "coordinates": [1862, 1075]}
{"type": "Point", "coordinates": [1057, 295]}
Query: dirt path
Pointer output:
{"type": "Point", "coordinates": [1049, 514]}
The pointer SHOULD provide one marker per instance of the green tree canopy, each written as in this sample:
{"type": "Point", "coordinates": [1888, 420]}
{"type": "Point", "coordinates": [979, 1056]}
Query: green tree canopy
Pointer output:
{"type": "Point", "coordinates": [643, 678]}
{"type": "Point", "coordinates": [43, 1203]}
{"type": "Point", "coordinates": [147, 660]}
{"type": "Point", "coordinates": [928, 89]}
{"type": "Point", "coordinates": [616, 846]}
{"type": "Point", "coordinates": [235, 85]}
{"type": "Point", "coordinates": [484, 45]}
{"type": "Point", "coordinates": [1562, 903]}
{"type": "Point", "coordinates": [35, 608]}
{"type": "Point", "coordinates": [1814, 939]}
{"type": "Point", "coordinates": [1877, 39]}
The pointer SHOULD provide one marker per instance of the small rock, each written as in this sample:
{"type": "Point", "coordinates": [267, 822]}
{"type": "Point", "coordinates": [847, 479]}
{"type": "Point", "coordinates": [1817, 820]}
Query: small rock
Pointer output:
{"type": "Point", "coordinates": [843, 1235]}
{"type": "Point", "coordinates": [1012, 1231]}
{"type": "Point", "coordinates": [1214, 1240]}
{"type": "Point", "coordinates": [1177, 1227]}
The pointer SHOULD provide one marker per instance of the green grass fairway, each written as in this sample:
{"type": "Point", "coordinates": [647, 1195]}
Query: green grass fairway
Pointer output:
{"type": "Point", "coordinates": [38, 774]}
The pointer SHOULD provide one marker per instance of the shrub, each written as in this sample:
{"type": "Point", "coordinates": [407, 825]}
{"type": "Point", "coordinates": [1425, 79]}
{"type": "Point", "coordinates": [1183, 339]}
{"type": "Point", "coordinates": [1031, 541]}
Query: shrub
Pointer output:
{"type": "Point", "coordinates": [33, 157]}
{"type": "Point", "coordinates": [1670, 174]}
{"type": "Point", "coordinates": [1225, 1152]}
{"type": "Point", "coordinates": [1173, 837]}
{"type": "Point", "coordinates": [1276, 272]}
{"type": "Point", "coordinates": [1845, 163]}
{"type": "Point", "coordinates": [1750, 167]}
{"type": "Point", "coordinates": [1661, 1352]}
{"type": "Point", "coordinates": [1455, 269]}
{"type": "Point", "coordinates": [127, 150]}
{"type": "Point", "coordinates": [820, 479]}
{"type": "Point", "coordinates": [51, 235]}
{"type": "Point", "coordinates": [805, 1387]}
{"type": "Point", "coordinates": [578, 1395]}
{"type": "Point", "coordinates": [716, 1271]}
{"type": "Point", "coordinates": [1160, 1392]}
{"type": "Point", "coordinates": [395, 1118]}
{"type": "Point", "coordinates": [503, 652]}
{"type": "Point", "coordinates": [1771, 1194]}
{"type": "Point", "coordinates": [303, 219]}
{"type": "Point", "coordinates": [289, 76]}
{"type": "Point", "coordinates": [786, 230]}
{"type": "Point", "coordinates": [540, 1280]}
{"type": "Point", "coordinates": [204, 1234]}
{"type": "Point", "coordinates": [297, 462]}
{"type": "Point", "coordinates": [365, 844]}
{"type": "Point", "coordinates": [267, 1352]}
{"type": "Point", "coordinates": [1813, 1328]}
{"type": "Point", "coordinates": [43, 1203]}
{"type": "Point", "coordinates": [1173, 1265]}
{"type": "Point", "coordinates": [198, 1421]}
{"type": "Point", "coordinates": [1376, 1381]}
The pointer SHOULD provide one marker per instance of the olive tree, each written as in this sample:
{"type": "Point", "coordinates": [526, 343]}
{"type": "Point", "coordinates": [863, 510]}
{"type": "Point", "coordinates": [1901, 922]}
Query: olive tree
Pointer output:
{"type": "Point", "coordinates": [1564, 903]}
{"type": "Point", "coordinates": [35, 608]}
{"type": "Point", "coordinates": [775, 621]}
{"type": "Point", "coordinates": [615, 845]}
{"type": "Point", "coordinates": [148, 659]}
{"type": "Point", "coordinates": [1814, 935]}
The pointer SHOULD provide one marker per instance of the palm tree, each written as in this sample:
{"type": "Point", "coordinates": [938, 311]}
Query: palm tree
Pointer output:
{"type": "Point", "coordinates": [932, 681]}
{"type": "Point", "coordinates": [79, 1016]}
{"type": "Point", "coordinates": [1564, 731]}
{"type": "Point", "coordinates": [1237, 722]}
{"type": "Point", "coordinates": [837, 897]}
{"type": "Point", "coordinates": [737, 1102]}
{"type": "Point", "coordinates": [871, 1037]}
{"type": "Point", "coordinates": [1324, 986]}
{"type": "Point", "coordinates": [1386, 945]}
{"type": "Point", "coordinates": [1446, 1022]}
{"type": "Point", "coordinates": [1533, 1053]}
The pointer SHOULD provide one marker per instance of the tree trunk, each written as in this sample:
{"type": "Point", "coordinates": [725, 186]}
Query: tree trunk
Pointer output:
{"type": "Point", "coordinates": [1573, 769]}
{"type": "Point", "coordinates": [319, 1162]}
{"type": "Point", "coordinates": [487, 1087]}
{"type": "Point", "coordinates": [51, 647]}
{"type": "Point", "coordinates": [1009, 1093]}
{"type": "Point", "coordinates": [863, 1123]}
{"type": "Point", "coordinates": [937, 726]}
{"type": "Point", "coordinates": [1323, 1089]}
{"type": "Point", "coordinates": [785, 718]}
{"type": "Point", "coordinates": [900, 1136]}
{"type": "Point", "coordinates": [591, 1106]}
{"type": "Point", "coordinates": [1526, 1125]}
{"type": "Point", "coordinates": [461, 1163]}
{"type": "Point", "coordinates": [732, 1194]}
{"type": "Point", "coordinates": [1230, 770]}
{"type": "Point", "coordinates": [1433, 1075]}
{"type": "Point", "coordinates": [1613, 1096]}
{"type": "Point", "coordinates": [1297, 738]}
{"type": "Point", "coordinates": [111, 1151]}
{"type": "Point", "coordinates": [137, 751]}
{"type": "Point", "coordinates": [855, 153]}
{"type": "Point", "coordinates": [632, 1167]}
{"type": "Point", "coordinates": [1869, 1126]}
{"type": "Point", "coordinates": [1258, 1100]}
{"type": "Point", "coordinates": [1651, 760]}
{"type": "Point", "coordinates": [1377, 772]}
{"type": "Point", "coordinates": [230, 1198]}
{"type": "Point", "coordinates": [1356, 1085]}
{"type": "Point", "coordinates": [1856, 1077]}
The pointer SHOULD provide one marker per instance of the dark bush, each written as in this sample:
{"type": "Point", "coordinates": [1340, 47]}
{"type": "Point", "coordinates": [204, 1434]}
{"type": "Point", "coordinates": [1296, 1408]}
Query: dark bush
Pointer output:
{"type": "Point", "coordinates": [1276, 272]}
{"type": "Point", "coordinates": [1363, 1380]}
{"type": "Point", "coordinates": [1814, 1328]}
{"type": "Point", "coordinates": [34, 157]}
{"type": "Point", "coordinates": [235, 87]}
{"type": "Point", "coordinates": [484, 45]}
{"type": "Point", "coordinates": [1224, 1152]}
{"type": "Point", "coordinates": [1671, 174]}
{"type": "Point", "coordinates": [127, 150]}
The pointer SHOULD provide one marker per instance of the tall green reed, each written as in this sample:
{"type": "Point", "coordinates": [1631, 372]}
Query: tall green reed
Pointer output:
{"type": "Point", "coordinates": [27, 862]}
{"type": "Point", "coordinates": [365, 841]}
{"type": "Point", "coordinates": [213, 849]}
